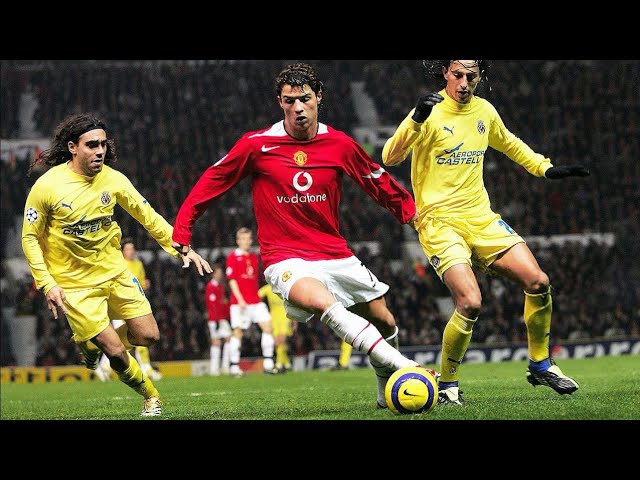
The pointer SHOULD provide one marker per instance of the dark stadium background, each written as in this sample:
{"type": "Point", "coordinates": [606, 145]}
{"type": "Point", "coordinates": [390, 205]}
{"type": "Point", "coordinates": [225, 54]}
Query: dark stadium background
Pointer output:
{"type": "Point", "coordinates": [171, 119]}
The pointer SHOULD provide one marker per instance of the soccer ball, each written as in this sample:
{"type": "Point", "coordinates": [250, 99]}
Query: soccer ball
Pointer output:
{"type": "Point", "coordinates": [411, 390]}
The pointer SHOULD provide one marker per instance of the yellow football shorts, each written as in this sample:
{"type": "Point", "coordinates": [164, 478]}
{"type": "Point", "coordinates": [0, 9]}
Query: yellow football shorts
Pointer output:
{"type": "Point", "coordinates": [281, 325]}
{"type": "Point", "coordinates": [476, 241]}
{"type": "Point", "coordinates": [91, 309]}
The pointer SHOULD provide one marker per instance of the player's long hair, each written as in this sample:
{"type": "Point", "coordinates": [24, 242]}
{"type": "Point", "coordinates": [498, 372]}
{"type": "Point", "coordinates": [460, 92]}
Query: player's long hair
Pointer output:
{"type": "Point", "coordinates": [298, 75]}
{"type": "Point", "coordinates": [433, 69]}
{"type": "Point", "coordinates": [71, 129]}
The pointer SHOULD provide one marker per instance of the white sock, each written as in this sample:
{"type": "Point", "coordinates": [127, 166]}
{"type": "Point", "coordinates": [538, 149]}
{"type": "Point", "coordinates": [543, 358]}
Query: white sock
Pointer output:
{"type": "Point", "coordinates": [364, 337]}
{"type": "Point", "coordinates": [214, 363]}
{"type": "Point", "coordinates": [383, 373]}
{"type": "Point", "coordinates": [225, 357]}
{"type": "Point", "coordinates": [267, 343]}
{"type": "Point", "coordinates": [104, 363]}
{"type": "Point", "coordinates": [234, 351]}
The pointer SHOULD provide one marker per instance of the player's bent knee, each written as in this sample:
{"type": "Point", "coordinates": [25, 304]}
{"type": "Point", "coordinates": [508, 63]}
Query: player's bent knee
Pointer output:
{"type": "Point", "coordinates": [536, 284]}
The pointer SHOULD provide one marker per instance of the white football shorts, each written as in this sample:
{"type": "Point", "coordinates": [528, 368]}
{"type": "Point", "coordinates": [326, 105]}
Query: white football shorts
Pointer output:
{"type": "Point", "coordinates": [347, 278]}
{"type": "Point", "coordinates": [219, 329]}
{"type": "Point", "coordinates": [253, 313]}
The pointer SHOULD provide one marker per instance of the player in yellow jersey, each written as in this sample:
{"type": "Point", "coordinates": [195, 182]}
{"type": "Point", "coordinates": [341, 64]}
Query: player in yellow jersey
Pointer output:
{"type": "Point", "coordinates": [72, 244]}
{"type": "Point", "coordinates": [448, 133]}
{"type": "Point", "coordinates": [141, 353]}
{"type": "Point", "coordinates": [282, 328]}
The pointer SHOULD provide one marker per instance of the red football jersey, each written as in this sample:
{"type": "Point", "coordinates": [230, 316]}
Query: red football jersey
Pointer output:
{"type": "Point", "coordinates": [296, 189]}
{"type": "Point", "coordinates": [243, 268]}
{"type": "Point", "coordinates": [216, 301]}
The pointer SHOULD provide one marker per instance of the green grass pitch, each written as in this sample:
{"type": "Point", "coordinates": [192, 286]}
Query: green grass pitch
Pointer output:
{"type": "Point", "coordinates": [609, 390]}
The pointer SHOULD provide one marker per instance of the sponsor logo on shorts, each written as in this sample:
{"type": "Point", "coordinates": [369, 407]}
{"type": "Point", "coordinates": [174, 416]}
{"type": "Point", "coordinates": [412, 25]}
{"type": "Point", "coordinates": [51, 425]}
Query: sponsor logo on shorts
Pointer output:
{"type": "Point", "coordinates": [286, 276]}
{"type": "Point", "coordinates": [435, 261]}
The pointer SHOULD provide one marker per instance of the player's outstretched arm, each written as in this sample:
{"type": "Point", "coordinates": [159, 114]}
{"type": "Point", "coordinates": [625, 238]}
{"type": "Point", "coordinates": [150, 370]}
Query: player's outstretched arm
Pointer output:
{"type": "Point", "coordinates": [556, 173]}
{"type": "Point", "coordinates": [189, 255]}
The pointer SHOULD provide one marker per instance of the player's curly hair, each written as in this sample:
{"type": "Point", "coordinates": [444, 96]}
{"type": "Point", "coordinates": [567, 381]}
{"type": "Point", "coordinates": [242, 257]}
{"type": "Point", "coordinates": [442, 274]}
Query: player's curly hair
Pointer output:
{"type": "Point", "coordinates": [71, 129]}
{"type": "Point", "coordinates": [297, 75]}
{"type": "Point", "coordinates": [433, 69]}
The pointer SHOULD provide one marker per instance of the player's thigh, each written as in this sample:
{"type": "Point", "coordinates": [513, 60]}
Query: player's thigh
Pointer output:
{"type": "Point", "coordinates": [444, 245]}
{"type": "Point", "coordinates": [491, 238]}
{"type": "Point", "coordinates": [128, 301]}
{"type": "Point", "coordinates": [87, 311]}
{"type": "Point", "coordinates": [519, 264]}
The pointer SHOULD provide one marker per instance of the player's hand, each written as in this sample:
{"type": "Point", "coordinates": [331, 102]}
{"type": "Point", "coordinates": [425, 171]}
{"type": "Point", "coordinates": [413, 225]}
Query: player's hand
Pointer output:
{"type": "Point", "coordinates": [189, 255]}
{"type": "Point", "coordinates": [425, 105]}
{"type": "Point", "coordinates": [56, 298]}
{"type": "Point", "coordinates": [556, 173]}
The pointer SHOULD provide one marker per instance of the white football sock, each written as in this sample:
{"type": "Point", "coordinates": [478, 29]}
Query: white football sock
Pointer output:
{"type": "Point", "coordinates": [214, 363]}
{"type": "Point", "coordinates": [267, 342]}
{"type": "Point", "coordinates": [364, 337]}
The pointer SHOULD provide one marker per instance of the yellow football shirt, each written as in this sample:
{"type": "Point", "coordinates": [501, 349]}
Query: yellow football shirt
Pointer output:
{"type": "Point", "coordinates": [69, 234]}
{"type": "Point", "coordinates": [448, 156]}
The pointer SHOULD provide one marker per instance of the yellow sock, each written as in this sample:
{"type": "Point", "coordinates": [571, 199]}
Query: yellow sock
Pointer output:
{"type": "Point", "coordinates": [282, 358]}
{"type": "Point", "coordinates": [455, 340]}
{"type": "Point", "coordinates": [345, 354]}
{"type": "Point", "coordinates": [122, 333]}
{"type": "Point", "coordinates": [137, 380]}
{"type": "Point", "coordinates": [537, 318]}
{"type": "Point", "coordinates": [143, 354]}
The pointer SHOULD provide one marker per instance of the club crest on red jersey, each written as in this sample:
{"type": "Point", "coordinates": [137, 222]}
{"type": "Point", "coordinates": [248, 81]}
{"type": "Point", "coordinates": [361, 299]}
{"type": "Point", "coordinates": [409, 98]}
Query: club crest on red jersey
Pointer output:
{"type": "Point", "coordinates": [300, 158]}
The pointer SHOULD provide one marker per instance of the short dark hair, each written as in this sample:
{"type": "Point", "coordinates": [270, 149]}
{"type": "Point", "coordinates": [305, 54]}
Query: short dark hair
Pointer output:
{"type": "Point", "coordinates": [126, 240]}
{"type": "Point", "coordinates": [297, 75]}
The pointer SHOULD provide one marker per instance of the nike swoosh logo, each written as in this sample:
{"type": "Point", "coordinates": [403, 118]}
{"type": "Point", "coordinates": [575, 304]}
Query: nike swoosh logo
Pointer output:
{"type": "Point", "coordinates": [266, 149]}
{"type": "Point", "coordinates": [406, 392]}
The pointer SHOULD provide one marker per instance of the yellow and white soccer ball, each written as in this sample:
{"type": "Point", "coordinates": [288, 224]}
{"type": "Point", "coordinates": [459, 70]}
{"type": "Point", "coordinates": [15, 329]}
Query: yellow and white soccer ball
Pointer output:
{"type": "Point", "coordinates": [411, 390]}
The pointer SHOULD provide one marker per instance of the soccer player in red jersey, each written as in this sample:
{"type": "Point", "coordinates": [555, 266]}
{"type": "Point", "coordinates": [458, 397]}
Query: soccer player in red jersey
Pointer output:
{"type": "Point", "coordinates": [217, 306]}
{"type": "Point", "coordinates": [297, 166]}
{"type": "Point", "coordinates": [243, 267]}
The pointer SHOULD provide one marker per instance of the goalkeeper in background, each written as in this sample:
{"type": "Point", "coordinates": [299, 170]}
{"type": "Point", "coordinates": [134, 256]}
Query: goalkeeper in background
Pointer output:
{"type": "Point", "coordinates": [448, 133]}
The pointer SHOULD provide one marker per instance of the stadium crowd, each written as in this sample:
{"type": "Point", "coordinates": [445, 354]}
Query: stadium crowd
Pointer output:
{"type": "Point", "coordinates": [172, 119]}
